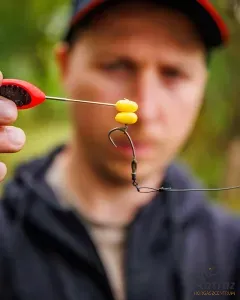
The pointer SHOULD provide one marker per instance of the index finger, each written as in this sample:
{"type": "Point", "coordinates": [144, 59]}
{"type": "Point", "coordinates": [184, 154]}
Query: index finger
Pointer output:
{"type": "Point", "coordinates": [1, 78]}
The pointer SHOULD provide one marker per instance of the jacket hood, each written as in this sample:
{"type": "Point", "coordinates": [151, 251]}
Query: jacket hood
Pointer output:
{"type": "Point", "coordinates": [31, 204]}
{"type": "Point", "coordinates": [28, 187]}
{"type": "Point", "coordinates": [174, 228]}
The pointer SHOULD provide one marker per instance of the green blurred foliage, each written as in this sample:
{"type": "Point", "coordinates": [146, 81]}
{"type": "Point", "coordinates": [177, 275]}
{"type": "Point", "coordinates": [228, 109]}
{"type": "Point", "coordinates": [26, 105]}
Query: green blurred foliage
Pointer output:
{"type": "Point", "coordinates": [28, 33]}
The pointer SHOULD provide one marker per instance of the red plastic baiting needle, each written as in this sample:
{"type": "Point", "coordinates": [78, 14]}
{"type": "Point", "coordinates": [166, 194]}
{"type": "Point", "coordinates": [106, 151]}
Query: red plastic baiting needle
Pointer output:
{"type": "Point", "coordinates": [27, 95]}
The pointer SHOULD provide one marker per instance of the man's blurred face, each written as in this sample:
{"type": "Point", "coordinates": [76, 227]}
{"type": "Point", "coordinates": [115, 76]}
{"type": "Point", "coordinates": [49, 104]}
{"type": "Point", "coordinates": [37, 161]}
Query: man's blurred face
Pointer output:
{"type": "Point", "coordinates": [148, 55]}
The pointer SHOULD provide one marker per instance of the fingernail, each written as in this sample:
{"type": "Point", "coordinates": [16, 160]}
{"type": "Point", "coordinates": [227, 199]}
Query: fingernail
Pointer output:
{"type": "Point", "coordinates": [16, 136]}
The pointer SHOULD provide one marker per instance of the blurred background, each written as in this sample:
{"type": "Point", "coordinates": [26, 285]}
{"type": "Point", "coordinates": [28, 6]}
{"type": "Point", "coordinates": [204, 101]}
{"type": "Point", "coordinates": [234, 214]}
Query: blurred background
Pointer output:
{"type": "Point", "coordinates": [28, 33]}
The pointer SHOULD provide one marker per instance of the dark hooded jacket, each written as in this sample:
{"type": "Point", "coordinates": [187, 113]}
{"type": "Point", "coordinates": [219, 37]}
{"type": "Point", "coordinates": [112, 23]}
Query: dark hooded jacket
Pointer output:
{"type": "Point", "coordinates": [178, 246]}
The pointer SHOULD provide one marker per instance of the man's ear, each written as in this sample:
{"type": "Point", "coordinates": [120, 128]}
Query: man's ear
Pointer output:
{"type": "Point", "coordinates": [62, 56]}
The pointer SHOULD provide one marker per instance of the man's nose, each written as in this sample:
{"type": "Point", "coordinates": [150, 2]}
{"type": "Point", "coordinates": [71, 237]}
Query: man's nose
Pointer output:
{"type": "Point", "coordinates": [148, 96]}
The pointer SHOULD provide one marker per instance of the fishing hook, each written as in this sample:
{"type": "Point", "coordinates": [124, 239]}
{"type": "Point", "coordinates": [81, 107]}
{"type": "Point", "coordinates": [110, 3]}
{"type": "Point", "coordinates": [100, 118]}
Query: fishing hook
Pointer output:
{"type": "Point", "coordinates": [134, 158]}
{"type": "Point", "coordinates": [134, 170]}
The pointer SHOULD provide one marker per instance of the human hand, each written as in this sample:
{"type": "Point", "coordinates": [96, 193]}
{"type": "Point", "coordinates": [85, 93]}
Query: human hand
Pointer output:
{"type": "Point", "coordinates": [12, 139]}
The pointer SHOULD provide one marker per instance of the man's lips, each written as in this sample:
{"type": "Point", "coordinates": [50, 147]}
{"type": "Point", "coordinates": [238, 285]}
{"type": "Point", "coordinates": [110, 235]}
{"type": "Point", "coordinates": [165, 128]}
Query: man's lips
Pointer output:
{"type": "Point", "coordinates": [142, 149]}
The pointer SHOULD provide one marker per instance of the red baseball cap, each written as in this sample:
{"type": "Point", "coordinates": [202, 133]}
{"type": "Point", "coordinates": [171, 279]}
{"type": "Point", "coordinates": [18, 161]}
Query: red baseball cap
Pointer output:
{"type": "Point", "coordinates": [209, 23]}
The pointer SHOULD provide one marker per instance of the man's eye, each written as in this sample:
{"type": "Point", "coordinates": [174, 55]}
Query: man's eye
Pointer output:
{"type": "Point", "coordinates": [171, 73]}
{"type": "Point", "coordinates": [117, 66]}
